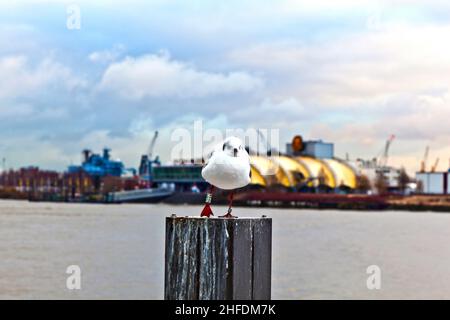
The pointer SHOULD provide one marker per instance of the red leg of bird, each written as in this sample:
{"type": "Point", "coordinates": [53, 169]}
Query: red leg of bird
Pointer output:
{"type": "Point", "coordinates": [207, 211]}
{"type": "Point", "coordinates": [230, 204]}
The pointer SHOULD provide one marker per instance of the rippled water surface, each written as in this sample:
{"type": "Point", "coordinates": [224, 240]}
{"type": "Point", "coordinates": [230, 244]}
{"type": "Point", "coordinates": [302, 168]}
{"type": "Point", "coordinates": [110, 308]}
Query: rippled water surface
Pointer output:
{"type": "Point", "coordinates": [316, 254]}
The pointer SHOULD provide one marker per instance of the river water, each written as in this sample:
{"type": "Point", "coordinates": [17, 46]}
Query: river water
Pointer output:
{"type": "Point", "coordinates": [316, 254]}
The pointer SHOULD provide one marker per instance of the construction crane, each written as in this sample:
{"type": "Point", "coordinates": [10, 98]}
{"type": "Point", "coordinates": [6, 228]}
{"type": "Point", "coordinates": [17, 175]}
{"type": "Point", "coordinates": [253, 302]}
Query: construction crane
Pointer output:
{"type": "Point", "coordinates": [382, 162]}
{"type": "Point", "coordinates": [152, 145]}
{"type": "Point", "coordinates": [147, 161]}
{"type": "Point", "coordinates": [433, 168]}
{"type": "Point", "coordinates": [423, 164]}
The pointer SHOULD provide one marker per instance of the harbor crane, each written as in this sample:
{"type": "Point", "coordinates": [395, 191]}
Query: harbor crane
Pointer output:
{"type": "Point", "coordinates": [433, 168]}
{"type": "Point", "coordinates": [383, 159]}
{"type": "Point", "coordinates": [145, 167]}
{"type": "Point", "coordinates": [152, 146]}
{"type": "Point", "coordinates": [423, 164]}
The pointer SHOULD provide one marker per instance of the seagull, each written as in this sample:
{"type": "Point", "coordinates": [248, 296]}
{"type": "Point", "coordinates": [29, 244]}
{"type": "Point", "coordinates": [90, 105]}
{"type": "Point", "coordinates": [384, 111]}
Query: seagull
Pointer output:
{"type": "Point", "coordinates": [227, 168]}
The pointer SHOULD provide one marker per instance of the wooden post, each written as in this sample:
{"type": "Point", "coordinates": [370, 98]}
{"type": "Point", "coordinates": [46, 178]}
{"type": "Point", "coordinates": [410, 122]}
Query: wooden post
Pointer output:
{"type": "Point", "coordinates": [218, 258]}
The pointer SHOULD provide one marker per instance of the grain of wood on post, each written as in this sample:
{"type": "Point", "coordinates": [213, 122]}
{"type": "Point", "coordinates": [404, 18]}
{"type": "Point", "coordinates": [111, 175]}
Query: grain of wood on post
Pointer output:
{"type": "Point", "coordinates": [218, 258]}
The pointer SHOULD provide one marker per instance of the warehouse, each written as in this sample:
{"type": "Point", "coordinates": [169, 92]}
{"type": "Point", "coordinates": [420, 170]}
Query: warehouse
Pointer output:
{"type": "Point", "coordinates": [433, 182]}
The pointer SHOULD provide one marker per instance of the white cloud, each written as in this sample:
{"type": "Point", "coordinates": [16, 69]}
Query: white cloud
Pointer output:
{"type": "Point", "coordinates": [107, 56]}
{"type": "Point", "coordinates": [271, 113]}
{"type": "Point", "coordinates": [20, 79]}
{"type": "Point", "coordinates": [29, 150]}
{"type": "Point", "coordinates": [354, 71]}
{"type": "Point", "coordinates": [358, 69]}
{"type": "Point", "coordinates": [421, 123]}
{"type": "Point", "coordinates": [18, 110]}
{"type": "Point", "coordinates": [32, 92]}
{"type": "Point", "coordinates": [366, 85]}
{"type": "Point", "coordinates": [159, 76]}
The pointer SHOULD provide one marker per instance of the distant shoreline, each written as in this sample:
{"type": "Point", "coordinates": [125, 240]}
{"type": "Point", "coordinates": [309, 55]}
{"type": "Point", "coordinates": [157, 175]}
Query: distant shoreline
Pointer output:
{"type": "Point", "coordinates": [354, 202]}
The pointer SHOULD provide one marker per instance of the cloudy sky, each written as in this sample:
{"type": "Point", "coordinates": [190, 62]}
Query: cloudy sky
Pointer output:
{"type": "Point", "coordinates": [352, 72]}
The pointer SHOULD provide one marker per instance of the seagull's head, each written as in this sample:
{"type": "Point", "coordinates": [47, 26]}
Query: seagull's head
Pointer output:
{"type": "Point", "coordinates": [233, 147]}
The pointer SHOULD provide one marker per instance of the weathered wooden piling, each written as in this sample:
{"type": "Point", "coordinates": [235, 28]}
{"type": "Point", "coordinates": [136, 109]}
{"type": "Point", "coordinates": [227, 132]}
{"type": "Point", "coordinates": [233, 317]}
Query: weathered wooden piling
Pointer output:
{"type": "Point", "coordinates": [218, 258]}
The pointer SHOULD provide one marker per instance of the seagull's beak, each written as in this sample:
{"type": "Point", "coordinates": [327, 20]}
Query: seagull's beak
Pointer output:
{"type": "Point", "coordinates": [235, 152]}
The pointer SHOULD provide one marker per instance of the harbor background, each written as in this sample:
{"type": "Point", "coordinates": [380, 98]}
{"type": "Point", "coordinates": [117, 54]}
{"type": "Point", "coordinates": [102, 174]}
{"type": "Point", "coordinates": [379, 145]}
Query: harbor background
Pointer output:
{"type": "Point", "coordinates": [317, 254]}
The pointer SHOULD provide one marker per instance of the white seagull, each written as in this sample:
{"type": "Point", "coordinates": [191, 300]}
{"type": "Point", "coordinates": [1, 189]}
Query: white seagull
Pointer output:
{"type": "Point", "coordinates": [227, 168]}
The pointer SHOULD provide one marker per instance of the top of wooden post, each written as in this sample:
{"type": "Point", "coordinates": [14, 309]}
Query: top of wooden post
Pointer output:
{"type": "Point", "coordinates": [174, 216]}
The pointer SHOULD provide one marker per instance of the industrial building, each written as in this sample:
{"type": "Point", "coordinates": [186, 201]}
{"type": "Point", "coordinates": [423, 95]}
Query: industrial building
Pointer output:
{"type": "Point", "coordinates": [372, 169]}
{"type": "Point", "coordinates": [433, 182]}
{"type": "Point", "coordinates": [378, 167]}
{"type": "Point", "coordinates": [430, 181]}
{"type": "Point", "coordinates": [307, 167]}
{"type": "Point", "coordinates": [302, 172]}
{"type": "Point", "coordinates": [314, 148]}
{"type": "Point", "coordinates": [33, 181]}
{"type": "Point", "coordinates": [99, 165]}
